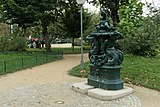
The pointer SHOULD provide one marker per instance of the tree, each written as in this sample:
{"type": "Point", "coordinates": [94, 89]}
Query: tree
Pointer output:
{"type": "Point", "coordinates": [130, 20]}
{"type": "Point", "coordinates": [26, 12]}
{"type": "Point", "coordinates": [55, 30]}
{"type": "Point", "coordinates": [146, 38]}
{"type": "Point", "coordinates": [113, 6]}
{"type": "Point", "coordinates": [71, 20]}
{"type": "Point", "coordinates": [127, 17]}
{"type": "Point", "coordinates": [46, 11]}
{"type": "Point", "coordinates": [94, 20]}
{"type": "Point", "coordinates": [17, 12]}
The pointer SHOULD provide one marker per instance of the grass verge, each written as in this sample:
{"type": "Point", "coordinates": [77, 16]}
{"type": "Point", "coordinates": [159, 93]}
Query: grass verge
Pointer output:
{"type": "Point", "coordinates": [65, 50]}
{"type": "Point", "coordinates": [14, 61]}
{"type": "Point", "coordinates": [137, 70]}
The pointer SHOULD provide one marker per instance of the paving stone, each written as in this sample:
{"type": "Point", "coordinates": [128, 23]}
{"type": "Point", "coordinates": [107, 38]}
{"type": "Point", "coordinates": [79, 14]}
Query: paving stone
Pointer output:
{"type": "Point", "coordinates": [82, 87]}
{"type": "Point", "coordinates": [109, 94]}
{"type": "Point", "coordinates": [47, 95]}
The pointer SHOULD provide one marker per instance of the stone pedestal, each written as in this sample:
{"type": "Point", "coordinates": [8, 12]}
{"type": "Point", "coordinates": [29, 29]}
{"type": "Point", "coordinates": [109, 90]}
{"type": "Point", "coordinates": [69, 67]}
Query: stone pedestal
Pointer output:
{"type": "Point", "coordinates": [101, 94]}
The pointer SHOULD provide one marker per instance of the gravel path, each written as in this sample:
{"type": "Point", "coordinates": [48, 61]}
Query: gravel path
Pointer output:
{"type": "Point", "coordinates": [58, 95]}
{"type": "Point", "coordinates": [48, 85]}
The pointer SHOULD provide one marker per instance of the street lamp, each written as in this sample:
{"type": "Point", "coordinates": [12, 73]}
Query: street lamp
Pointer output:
{"type": "Point", "coordinates": [81, 2]}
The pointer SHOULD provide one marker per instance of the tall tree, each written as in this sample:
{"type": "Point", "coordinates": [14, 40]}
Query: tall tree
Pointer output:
{"type": "Point", "coordinates": [17, 12]}
{"type": "Point", "coordinates": [46, 11]}
{"type": "Point", "coordinates": [71, 20]}
{"type": "Point", "coordinates": [25, 12]}
{"type": "Point", "coordinates": [130, 20]}
{"type": "Point", "coordinates": [113, 6]}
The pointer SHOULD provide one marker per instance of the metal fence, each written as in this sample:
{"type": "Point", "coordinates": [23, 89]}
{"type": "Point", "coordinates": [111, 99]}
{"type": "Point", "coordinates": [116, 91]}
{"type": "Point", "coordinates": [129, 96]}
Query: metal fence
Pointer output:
{"type": "Point", "coordinates": [12, 65]}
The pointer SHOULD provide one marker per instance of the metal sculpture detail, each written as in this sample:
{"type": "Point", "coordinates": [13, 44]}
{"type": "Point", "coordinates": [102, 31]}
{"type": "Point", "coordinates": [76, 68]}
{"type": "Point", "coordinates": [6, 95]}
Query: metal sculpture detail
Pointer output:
{"type": "Point", "coordinates": [103, 55]}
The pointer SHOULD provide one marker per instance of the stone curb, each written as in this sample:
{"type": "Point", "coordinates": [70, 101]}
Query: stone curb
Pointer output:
{"type": "Point", "coordinates": [101, 94]}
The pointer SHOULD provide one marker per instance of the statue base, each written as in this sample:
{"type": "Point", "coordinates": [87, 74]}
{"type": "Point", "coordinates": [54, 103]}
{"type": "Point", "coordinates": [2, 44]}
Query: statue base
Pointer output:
{"type": "Point", "coordinates": [101, 94]}
{"type": "Point", "coordinates": [105, 77]}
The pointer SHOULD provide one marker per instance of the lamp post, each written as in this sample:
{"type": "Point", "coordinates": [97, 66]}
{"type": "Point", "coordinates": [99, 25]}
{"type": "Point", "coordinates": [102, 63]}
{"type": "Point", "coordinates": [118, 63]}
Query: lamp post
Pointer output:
{"type": "Point", "coordinates": [81, 2]}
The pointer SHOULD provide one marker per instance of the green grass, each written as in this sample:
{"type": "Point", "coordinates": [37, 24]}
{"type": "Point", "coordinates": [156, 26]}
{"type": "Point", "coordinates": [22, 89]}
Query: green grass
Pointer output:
{"type": "Point", "coordinates": [65, 50]}
{"type": "Point", "coordinates": [136, 70]}
{"type": "Point", "coordinates": [13, 61]}
{"type": "Point", "coordinates": [76, 71]}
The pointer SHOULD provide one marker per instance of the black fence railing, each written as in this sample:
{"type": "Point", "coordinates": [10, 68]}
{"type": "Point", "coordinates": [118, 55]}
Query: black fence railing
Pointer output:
{"type": "Point", "coordinates": [12, 65]}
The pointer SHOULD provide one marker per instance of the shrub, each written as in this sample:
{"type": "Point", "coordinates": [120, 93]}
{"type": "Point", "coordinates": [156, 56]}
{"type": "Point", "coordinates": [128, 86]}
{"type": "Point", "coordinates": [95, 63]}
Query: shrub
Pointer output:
{"type": "Point", "coordinates": [146, 39]}
{"type": "Point", "coordinates": [12, 43]}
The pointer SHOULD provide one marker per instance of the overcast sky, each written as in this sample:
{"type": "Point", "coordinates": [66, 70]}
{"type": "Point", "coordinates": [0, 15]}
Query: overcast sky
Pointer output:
{"type": "Point", "coordinates": [155, 3]}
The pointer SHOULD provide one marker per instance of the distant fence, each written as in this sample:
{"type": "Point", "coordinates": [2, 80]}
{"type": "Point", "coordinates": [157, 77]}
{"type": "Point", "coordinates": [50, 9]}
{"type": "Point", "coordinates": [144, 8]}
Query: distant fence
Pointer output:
{"type": "Point", "coordinates": [12, 65]}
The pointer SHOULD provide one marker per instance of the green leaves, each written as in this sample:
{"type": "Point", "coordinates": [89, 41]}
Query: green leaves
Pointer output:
{"type": "Point", "coordinates": [71, 19]}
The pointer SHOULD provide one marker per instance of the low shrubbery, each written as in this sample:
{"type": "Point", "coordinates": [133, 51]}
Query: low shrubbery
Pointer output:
{"type": "Point", "coordinates": [146, 39]}
{"type": "Point", "coordinates": [12, 43]}
{"type": "Point", "coordinates": [141, 34]}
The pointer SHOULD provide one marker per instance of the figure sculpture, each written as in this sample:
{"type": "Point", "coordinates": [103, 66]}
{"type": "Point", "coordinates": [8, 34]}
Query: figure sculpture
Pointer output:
{"type": "Point", "coordinates": [103, 56]}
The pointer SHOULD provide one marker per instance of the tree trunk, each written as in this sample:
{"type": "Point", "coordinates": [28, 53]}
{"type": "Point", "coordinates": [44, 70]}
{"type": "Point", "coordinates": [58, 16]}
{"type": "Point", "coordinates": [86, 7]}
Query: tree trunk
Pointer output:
{"type": "Point", "coordinates": [24, 29]}
{"type": "Point", "coordinates": [115, 18]}
{"type": "Point", "coordinates": [72, 44]}
{"type": "Point", "coordinates": [46, 37]}
{"type": "Point", "coordinates": [24, 33]}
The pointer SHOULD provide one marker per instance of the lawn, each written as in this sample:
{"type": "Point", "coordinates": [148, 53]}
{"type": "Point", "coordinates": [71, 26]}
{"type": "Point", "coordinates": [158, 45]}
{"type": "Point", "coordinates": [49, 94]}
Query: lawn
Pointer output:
{"type": "Point", "coordinates": [14, 61]}
{"type": "Point", "coordinates": [137, 70]}
{"type": "Point", "coordinates": [77, 50]}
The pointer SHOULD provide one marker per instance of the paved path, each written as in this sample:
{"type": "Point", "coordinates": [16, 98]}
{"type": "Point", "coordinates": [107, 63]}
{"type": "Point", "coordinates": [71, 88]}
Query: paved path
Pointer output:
{"type": "Point", "coordinates": [48, 86]}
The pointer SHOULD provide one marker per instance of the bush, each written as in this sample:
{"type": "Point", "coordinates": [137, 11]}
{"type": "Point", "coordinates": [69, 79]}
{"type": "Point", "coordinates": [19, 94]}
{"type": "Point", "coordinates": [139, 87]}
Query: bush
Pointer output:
{"type": "Point", "coordinates": [19, 44]}
{"type": "Point", "coordinates": [12, 43]}
{"type": "Point", "coordinates": [146, 39]}
{"type": "Point", "coordinates": [141, 40]}
{"type": "Point", "coordinates": [3, 44]}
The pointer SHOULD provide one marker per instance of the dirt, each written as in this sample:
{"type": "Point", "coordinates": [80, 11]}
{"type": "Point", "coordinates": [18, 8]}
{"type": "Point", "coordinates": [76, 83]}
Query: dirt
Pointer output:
{"type": "Point", "coordinates": [48, 73]}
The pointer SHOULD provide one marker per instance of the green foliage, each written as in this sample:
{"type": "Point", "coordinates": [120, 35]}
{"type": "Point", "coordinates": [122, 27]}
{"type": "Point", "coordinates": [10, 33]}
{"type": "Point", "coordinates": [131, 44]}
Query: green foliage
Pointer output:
{"type": "Point", "coordinates": [18, 44]}
{"type": "Point", "coordinates": [113, 6]}
{"type": "Point", "coordinates": [46, 11]}
{"type": "Point", "coordinates": [94, 20]}
{"type": "Point", "coordinates": [146, 39]}
{"type": "Point", "coordinates": [71, 19]}
{"type": "Point", "coordinates": [141, 33]}
{"type": "Point", "coordinates": [17, 12]}
{"type": "Point", "coordinates": [30, 12]}
{"type": "Point", "coordinates": [4, 44]}
{"type": "Point", "coordinates": [130, 15]}
{"type": "Point", "coordinates": [130, 18]}
{"type": "Point", "coordinates": [12, 43]}
{"type": "Point", "coordinates": [72, 22]}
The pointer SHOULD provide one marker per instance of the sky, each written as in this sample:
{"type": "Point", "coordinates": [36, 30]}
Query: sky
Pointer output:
{"type": "Point", "coordinates": [155, 3]}
{"type": "Point", "coordinates": [91, 7]}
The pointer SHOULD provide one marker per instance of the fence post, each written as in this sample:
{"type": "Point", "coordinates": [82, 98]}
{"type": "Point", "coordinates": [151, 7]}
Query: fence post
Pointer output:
{"type": "Point", "coordinates": [5, 67]}
{"type": "Point", "coordinates": [36, 60]}
{"type": "Point", "coordinates": [62, 54]}
{"type": "Point", "coordinates": [58, 54]}
{"type": "Point", "coordinates": [46, 57]}
{"type": "Point", "coordinates": [54, 56]}
{"type": "Point", "coordinates": [22, 62]}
